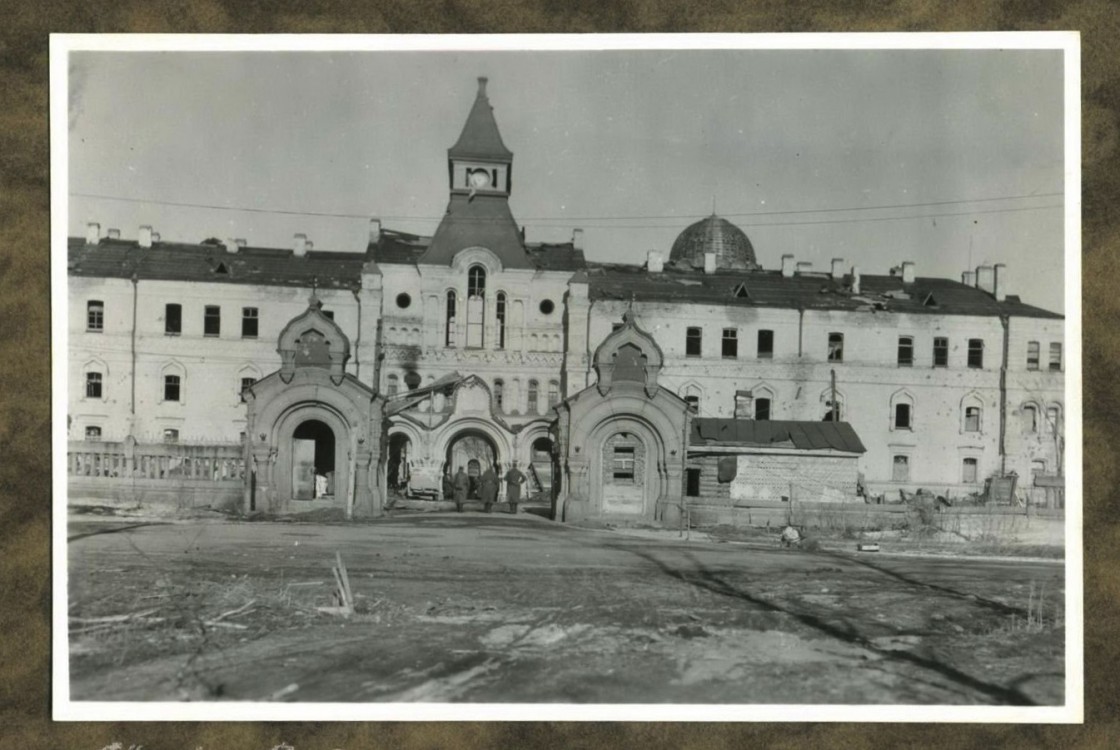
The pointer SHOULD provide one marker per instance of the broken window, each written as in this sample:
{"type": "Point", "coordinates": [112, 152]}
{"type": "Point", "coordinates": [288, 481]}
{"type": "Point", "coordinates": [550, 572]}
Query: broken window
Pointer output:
{"type": "Point", "coordinates": [534, 388]}
{"type": "Point", "coordinates": [246, 384]}
{"type": "Point", "coordinates": [212, 321]}
{"type": "Point", "coordinates": [905, 351]}
{"type": "Point", "coordinates": [553, 393]}
{"type": "Point", "coordinates": [693, 402]}
{"type": "Point", "coordinates": [1030, 418]}
{"type": "Point", "coordinates": [900, 469]}
{"type": "Point", "coordinates": [1055, 357]}
{"type": "Point", "coordinates": [692, 483]}
{"type": "Point", "coordinates": [622, 466]}
{"type": "Point", "coordinates": [941, 351]}
{"type": "Point", "coordinates": [972, 419]}
{"type": "Point", "coordinates": [835, 347]}
{"type": "Point", "coordinates": [500, 314]}
{"type": "Point", "coordinates": [730, 343]}
{"type": "Point", "coordinates": [762, 409]}
{"type": "Point", "coordinates": [170, 435]}
{"type": "Point", "coordinates": [692, 343]}
{"type": "Point", "coordinates": [499, 393]}
{"type": "Point", "coordinates": [173, 319]}
{"type": "Point", "coordinates": [392, 385]}
{"type": "Point", "coordinates": [765, 344]}
{"type": "Point", "coordinates": [95, 315]}
{"type": "Point", "coordinates": [171, 387]}
{"type": "Point", "coordinates": [976, 353]}
{"type": "Point", "coordinates": [449, 338]}
{"type": "Point", "coordinates": [902, 416]}
{"type": "Point", "coordinates": [249, 318]}
{"type": "Point", "coordinates": [93, 385]}
{"type": "Point", "coordinates": [969, 470]}
{"type": "Point", "coordinates": [93, 432]}
{"type": "Point", "coordinates": [1033, 355]}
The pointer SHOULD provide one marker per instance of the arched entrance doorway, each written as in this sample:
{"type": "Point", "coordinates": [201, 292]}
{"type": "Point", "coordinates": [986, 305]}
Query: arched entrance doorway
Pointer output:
{"type": "Point", "coordinates": [313, 461]}
{"type": "Point", "coordinates": [473, 451]}
{"type": "Point", "coordinates": [398, 468]}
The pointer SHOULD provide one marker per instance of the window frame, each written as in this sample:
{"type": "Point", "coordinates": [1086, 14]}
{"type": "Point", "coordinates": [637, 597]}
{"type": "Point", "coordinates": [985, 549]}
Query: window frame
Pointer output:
{"type": "Point", "coordinates": [835, 346]}
{"type": "Point", "coordinates": [730, 341]}
{"type": "Point", "coordinates": [624, 470]}
{"type": "Point", "coordinates": [974, 463]}
{"type": "Point", "coordinates": [499, 393]}
{"type": "Point", "coordinates": [763, 413]}
{"type": "Point", "coordinates": [95, 316]}
{"type": "Point", "coordinates": [212, 321]}
{"type": "Point", "coordinates": [896, 423]}
{"type": "Point", "coordinates": [177, 384]}
{"type": "Point", "coordinates": [173, 312]}
{"type": "Point", "coordinates": [940, 351]}
{"type": "Point", "coordinates": [694, 339]}
{"type": "Point", "coordinates": [975, 354]}
{"type": "Point", "coordinates": [95, 380]}
{"type": "Point", "coordinates": [1055, 362]}
{"type": "Point", "coordinates": [977, 424]}
{"type": "Point", "coordinates": [87, 433]}
{"type": "Point", "coordinates": [904, 462]}
{"type": "Point", "coordinates": [905, 351]}
{"type": "Point", "coordinates": [768, 352]}
{"type": "Point", "coordinates": [250, 318]}
{"type": "Point", "coordinates": [1034, 355]}
{"type": "Point", "coordinates": [532, 396]}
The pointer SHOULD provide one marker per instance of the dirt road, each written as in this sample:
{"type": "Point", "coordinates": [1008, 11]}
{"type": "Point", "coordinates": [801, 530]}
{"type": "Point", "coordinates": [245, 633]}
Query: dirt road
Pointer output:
{"type": "Point", "coordinates": [498, 608]}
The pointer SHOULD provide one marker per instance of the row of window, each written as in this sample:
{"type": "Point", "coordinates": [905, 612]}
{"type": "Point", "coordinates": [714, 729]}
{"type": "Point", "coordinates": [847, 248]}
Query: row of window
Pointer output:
{"type": "Point", "coordinates": [533, 390]}
{"type": "Point", "coordinates": [172, 386]}
{"type": "Point", "coordinates": [1034, 354]}
{"type": "Point", "coordinates": [173, 319]}
{"type": "Point", "coordinates": [900, 469]}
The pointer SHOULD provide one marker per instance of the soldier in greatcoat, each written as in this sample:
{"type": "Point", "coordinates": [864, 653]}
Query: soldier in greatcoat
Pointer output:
{"type": "Point", "coordinates": [488, 488]}
{"type": "Point", "coordinates": [514, 479]}
{"type": "Point", "coordinates": [462, 484]}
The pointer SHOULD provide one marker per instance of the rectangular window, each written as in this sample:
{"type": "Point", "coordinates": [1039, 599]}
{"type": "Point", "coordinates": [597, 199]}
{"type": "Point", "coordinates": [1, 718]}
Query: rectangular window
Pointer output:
{"type": "Point", "coordinates": [171, 385]}
{"type": "Point", "coordinates": [95, 315]}
{"type": "Point", "coordinates": [941, 352]}
{"type": "Point", "coordinates": [249, 319]}
{"type": "Point", "coordinates": [765, 344]}
{"type": "Point", "coordinates": [835, 347]}
{"type": "Point", "coordinates": [212, 321]}
{"type": "Point", "coordinates": [972, 419]}
{"type": "Point", "coordinates": [623, 465]}
{"type": "Point", "coordinates": [976, 353]}
{"type": "Point", "coordinates": [692, 483]}
{"type": "Point", "coordinates": [692, 342]}
{"type": "Point", "coordinates": [762, 409]}
{"type": "Point", "coordinates": [1055, 357]}
{"type": "Point", "coordinates": [170, 435]}
{"type": "Point", "coordinates": [553, 393]}
{"type": "Point", "coordinates": [500, 316]}
{"type": "Point", "coordinates": [246, 383]}
{"type": "Point", "coordinates": [93, 433]}
{"type": "Point", "coordinates": [532, 400]}
{"type": "Point", "coordinates": [968, 471]}
{"type": "Point", "coordinates": [93, 385]}
{"type": "Point", "coordinates": [1033, 351]}
{"type": "Point", "coordinates": [900, 469]}
{"type": "Point", "coordinates": [173, 319]}
{"type": "Point", "coordinates": [499, 393]}
{"type": "Point", "coordinates": [902, 416]}
{"type": "Point", "coordinates": [905, 351]}
{"type": "Point", "coordinates": [730, 343]}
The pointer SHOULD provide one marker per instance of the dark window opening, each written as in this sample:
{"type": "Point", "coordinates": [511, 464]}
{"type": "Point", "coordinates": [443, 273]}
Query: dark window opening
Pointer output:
{"type": "Point", "coordinates": [249, 319]}
{"type": "Point", "coordinates": [221, 269]}
{"type": "Point", "coordinates": [615, 327]}
{"type": "Point", "coordinates": [412, 380]}
{"type": "Point", "coordinates": [765, 344]}
{"type": "Point", "coordinates": [449, 338]}
{"type": "Point", "coordinates": [246, 384]}
{"type": "Point", "coordinates": [693, 342]}
{"type": "Point", "coordinates": [976, 353]}
{"type": "Point", "coordinates": [622, 467]}
{"type": "Point", "coordinates": [547, 306]}
{"type": "Point", "coordinates": [532, 401]}
{"type": "Point", "coordinates": [762, 409]}
{"type": "Point", "coordinates": [835, 347]}
{"type": "Point", "coordinates": [93, 385]}
{"type": "Point", "coordinates": [905, 351]}
{"type": "Point", "coordinates": [170, 435]}
{"type": "Point", "coordinates": [403, 300]}
{"type": "Point", "coordinates": [93, 433]}
{"type": "Point", "coordinates": [730, 343]}
{"type": "Point", "coordinates": [328, 314]}
{"type": "Point", "coordinates": [902, 416]}
{"type": "Point", "coordinates": [941, 352]}
{"type": "Point", "coordinates": [173, 319]}
{"type": "Point", "coordinates": [499, 394]}
{"type": "Point", "coordinates": [500, 314]}
{"type": "Point", "coordinates": [95, 315]}
{"type": "Point", "coordinates": [171, 387]}
{"type": "Point", "coordinates": [692, 483]}
{"type": "Point", "coordinates": [212, 321]}
{"type": "Point", "coordinates": [693, 402]}
{"type": "Point", "coordinates": [1055, 357]}
{"type": "Point", "coordinates": [1033, 355]}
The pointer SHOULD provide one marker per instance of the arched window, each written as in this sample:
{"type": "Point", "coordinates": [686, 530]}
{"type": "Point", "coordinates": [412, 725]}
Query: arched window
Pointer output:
{"type": "Point", "coordinates": [449, 337]}
{"type": "Point", "coordinates": [1053, 420]}
{"type": "Point", "coordinates": [553, 393]}
{"type": "Point", "coordinates": [1030, 418]}
{"type": "Point", "coordinates": [500, 313]}
{"type": "Point", "coordinates": [499, 393]}
{"type": "Point", "coordinates": [762, 409]}
{"type": "Point", "coordinates": [972, 419]}
{"type": "Point", "coordinates": [173, 377]}
{"type": "Point", "coordinates": [692, 394]}
{"type": "Point", "coordinates": [902, 411]}
{"type": "Point", "coordinates": [392, 385]}
{"type": "Point", "coordinates": [476, 282]}
{"type": "Point", "coordinates": [476, 305]}
{"type": "Point", "coordinates": [533, 392]}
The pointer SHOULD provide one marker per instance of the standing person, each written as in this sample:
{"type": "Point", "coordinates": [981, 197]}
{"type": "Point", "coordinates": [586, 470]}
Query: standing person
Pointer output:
{"type": "Point", "coordinates": [488, 488]}
{"type": "Point", "coordinates": [514, 480]}
{"type": "Point", "coordinates": [448, 484]}
{"type": "Point", "coordinates": [462, 484]}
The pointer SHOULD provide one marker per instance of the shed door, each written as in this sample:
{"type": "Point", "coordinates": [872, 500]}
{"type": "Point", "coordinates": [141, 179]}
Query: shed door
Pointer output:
{"type": "Point", "coordinates": [303, 469]}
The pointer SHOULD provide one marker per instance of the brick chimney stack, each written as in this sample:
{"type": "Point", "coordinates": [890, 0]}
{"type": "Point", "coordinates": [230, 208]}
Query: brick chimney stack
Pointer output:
{"type": "Point", "coordinates": [654, 262]}
{"type": "Point", "coordinates": [93, 233]}
{"type": "Point", "coordinates": [908, 272]}
{"type": "Point", "coordinates": [1000, 283]}
{"type": "Point", "coordinates": [787, 265]}
{"type": "Point", "coordinates": [986, 279]}
{"type": "Point", "coordinates": [145, 236]}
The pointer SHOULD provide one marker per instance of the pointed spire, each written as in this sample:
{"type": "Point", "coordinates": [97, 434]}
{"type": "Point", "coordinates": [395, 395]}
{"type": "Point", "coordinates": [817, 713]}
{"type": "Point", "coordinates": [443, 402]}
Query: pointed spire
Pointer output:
{"type": "Point", "coordinates": [480, 138]}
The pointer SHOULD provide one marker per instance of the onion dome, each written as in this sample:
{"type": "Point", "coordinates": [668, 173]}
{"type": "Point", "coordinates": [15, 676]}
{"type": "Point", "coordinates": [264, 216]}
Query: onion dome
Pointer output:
{"type": "Point", "coordinates": [714, 235]}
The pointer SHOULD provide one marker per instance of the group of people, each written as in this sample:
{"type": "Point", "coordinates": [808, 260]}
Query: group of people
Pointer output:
{"type": "Point", "coordinates": [458, 487]}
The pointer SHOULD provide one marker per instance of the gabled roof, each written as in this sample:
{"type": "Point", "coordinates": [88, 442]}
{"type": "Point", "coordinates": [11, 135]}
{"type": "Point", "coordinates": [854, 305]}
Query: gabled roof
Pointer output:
{"type": "Point", "coordinates": [837, 436]}
{"type": "Point", "coordinates": [480, 138]}
{"type": "Point", "coordinates": [811, 291]}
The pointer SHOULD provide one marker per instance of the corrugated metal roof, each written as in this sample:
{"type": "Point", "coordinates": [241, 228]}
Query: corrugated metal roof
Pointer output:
{"type": "Point", "coordinates": [814, 291]}
{"type": "Point", "coordinates": [775, 433]}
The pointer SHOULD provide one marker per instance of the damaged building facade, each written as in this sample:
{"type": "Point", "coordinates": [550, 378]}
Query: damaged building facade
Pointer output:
{"type": "Point", "coordinates": [290, 379]}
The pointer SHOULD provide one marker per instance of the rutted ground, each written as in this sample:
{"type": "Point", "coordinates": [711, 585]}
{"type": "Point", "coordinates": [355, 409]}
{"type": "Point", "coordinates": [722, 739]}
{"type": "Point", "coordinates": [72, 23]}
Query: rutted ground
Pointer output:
{"type": "Point", "coordinates": [500, 608]}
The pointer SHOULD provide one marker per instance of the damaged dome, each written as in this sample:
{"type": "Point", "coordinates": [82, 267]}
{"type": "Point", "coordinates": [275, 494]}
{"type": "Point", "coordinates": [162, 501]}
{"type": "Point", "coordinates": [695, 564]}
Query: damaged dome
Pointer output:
{"type": "Point", "coordinates": [717, 235]}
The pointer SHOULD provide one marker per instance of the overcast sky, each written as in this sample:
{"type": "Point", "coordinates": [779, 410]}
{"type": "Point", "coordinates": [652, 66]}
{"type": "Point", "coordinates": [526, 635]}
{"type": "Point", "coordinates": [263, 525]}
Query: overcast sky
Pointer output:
{"type": "Point", "coordinates": [631, 146]}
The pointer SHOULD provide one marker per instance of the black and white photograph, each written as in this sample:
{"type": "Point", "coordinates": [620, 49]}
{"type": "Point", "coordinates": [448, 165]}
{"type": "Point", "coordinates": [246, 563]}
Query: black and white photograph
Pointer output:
{"type": "Point", "coordinates": [662, 377]}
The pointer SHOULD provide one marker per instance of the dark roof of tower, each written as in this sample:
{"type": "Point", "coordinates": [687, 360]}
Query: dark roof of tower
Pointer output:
{"type": "Point", "coordinates": [478, 221]}
{"type": "Point", "coordinates": [714, 235]}
{"type": "Point", "coordinates": [480, 138]}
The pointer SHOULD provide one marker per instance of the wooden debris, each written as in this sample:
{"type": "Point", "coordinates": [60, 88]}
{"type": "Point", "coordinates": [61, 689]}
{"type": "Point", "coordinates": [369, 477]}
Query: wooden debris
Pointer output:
{"type": "Point", "coordinates": [115, 618]}
{"type": "Point", "coordinates": [342, 594]}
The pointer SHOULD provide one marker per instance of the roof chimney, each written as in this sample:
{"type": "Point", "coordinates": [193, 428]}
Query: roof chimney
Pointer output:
{"type": "Point", "coordinates": [375, 231]}
{"type": "Point", "coordinates": [232, 246]}
{"type": "Point", "coordinates": [804, 266]}
{"type": "Point", "coordinates": [855, 279]}
{"type": "Point", "coordinates": [787, 265]}
{"type": "Point", "coordinates": [310, 246]}
{"type": "Point", "coordinates": [145, 236]}
{"type": "Point", "coordinates": [985, 279]}
{"type": "Point", "coordinates": [577, 234]}
{"type": "Point", "coordinates": [709, 263]}
{"type": "Point", "coordinates": [1000, 284]}
{"type": "Point", "coordinates": [968, 278]}
{"type": "Point", "coordinates": [837, 269]}
{"type": "Point", "coordinates": [907, 272]}
{"type": "Point", "coordinates": [93, 233]}
{"type": "Point", "coordinates": [299, 246]}
{"type": "Point", "coordinates": [112, 234]}
{"type": "Point", "coordinates": [155, 237]}
{"type": "Point", "coordinates": [654, 262]}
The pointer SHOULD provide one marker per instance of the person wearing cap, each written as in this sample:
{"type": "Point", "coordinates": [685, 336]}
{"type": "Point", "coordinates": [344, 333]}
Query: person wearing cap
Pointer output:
{"type": "Point", "coordinates": [462, 484]}
{"type": "Point", "coordinates": [514, 480]}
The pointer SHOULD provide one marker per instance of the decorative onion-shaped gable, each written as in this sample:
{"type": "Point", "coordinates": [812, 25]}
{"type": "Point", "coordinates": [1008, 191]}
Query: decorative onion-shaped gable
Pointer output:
{"type": "Point", "coordinates": [628, 355]}
{"type": "Point", "coordinates": [311, 339]}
